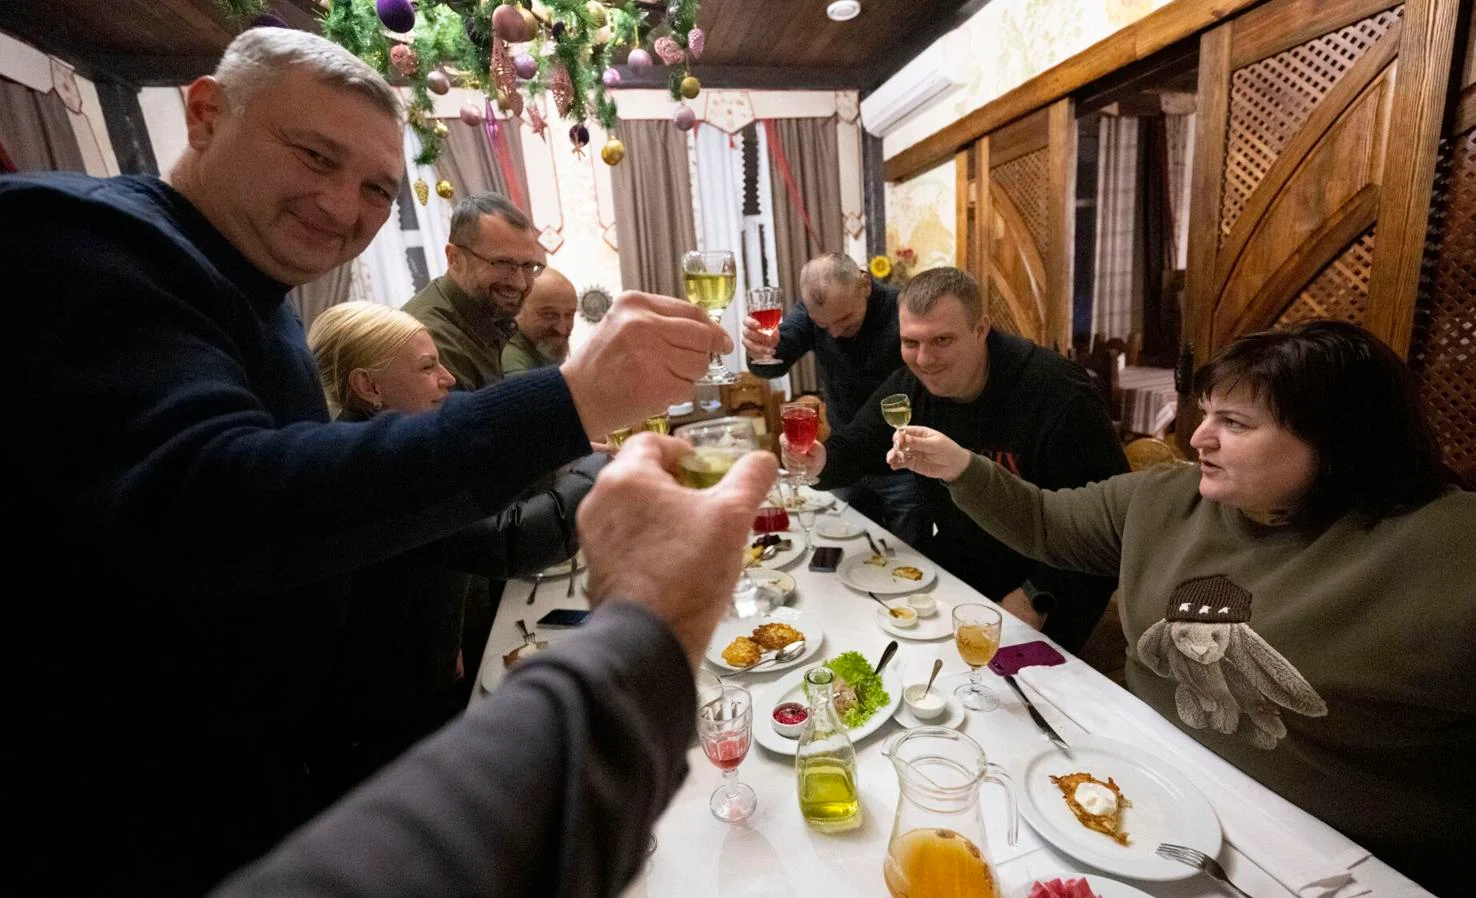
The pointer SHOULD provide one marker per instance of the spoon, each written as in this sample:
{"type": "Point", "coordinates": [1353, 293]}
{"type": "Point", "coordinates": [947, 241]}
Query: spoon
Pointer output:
{"type": "Point", "coordinates": [894, 612]}
{"type": "Point", "coordinates": [887, 654]}
{"type": "Point", "coordinates": [937, 666]}
{"type": "Point", "coordinates": [786, 653]}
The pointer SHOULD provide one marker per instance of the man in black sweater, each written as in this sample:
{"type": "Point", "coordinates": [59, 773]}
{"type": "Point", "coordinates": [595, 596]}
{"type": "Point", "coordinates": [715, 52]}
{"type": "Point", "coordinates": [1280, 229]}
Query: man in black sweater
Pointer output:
{"type": "Point", "coordinates": [1029, 409]}
{"type": "Point", "coordinates": [851, 324]}
{"type": "Point", "coordinates": [196, 514]}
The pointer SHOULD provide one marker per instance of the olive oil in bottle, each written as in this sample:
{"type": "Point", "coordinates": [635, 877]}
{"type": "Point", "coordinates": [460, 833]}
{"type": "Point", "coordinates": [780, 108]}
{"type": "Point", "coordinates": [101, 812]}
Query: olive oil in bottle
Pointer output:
{"type": "Point", "coordinates": [825, 761]}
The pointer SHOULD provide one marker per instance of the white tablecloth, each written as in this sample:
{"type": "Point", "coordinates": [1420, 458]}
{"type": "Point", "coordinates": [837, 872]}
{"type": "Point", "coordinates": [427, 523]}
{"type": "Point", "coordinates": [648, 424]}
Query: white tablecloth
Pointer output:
{"type": "Point", "coordinates": [774, 853]}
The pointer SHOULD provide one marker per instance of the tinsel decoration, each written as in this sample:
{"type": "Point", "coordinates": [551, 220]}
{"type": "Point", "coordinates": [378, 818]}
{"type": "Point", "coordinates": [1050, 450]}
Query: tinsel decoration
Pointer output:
{"type": "Point", "coordinates": [570, 45]}
{"type": "Point", "coordinates": [444, 190]}
{"type": "Point", "coordinates": [422, 191]}
{"type": "Point", "coordinates": [244, 10]}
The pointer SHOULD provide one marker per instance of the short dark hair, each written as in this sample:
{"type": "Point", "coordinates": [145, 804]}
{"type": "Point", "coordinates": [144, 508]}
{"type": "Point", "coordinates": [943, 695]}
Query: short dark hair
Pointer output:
{"type": "Point", "coordinates": [466, 216]}
{"type": "Point", "coordinates": [1344, 392]}
{"type": "Point", "coordinates": [923, 292]}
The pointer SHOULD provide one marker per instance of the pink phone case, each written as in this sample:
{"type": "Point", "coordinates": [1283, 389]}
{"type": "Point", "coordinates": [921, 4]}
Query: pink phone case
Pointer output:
{"type": "Point", "coordinates": [1010, 658]}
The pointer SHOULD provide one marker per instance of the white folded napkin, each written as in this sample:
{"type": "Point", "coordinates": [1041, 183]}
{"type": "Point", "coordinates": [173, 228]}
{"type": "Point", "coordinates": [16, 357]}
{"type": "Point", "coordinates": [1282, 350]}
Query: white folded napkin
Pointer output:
{"type": "Point", "coordinates": [1304, 854]}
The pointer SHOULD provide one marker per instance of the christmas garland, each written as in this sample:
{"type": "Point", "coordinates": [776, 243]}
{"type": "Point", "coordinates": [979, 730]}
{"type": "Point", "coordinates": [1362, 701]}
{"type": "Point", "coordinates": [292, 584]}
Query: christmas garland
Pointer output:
{"type": "Point", "coordinates": [516, 51]}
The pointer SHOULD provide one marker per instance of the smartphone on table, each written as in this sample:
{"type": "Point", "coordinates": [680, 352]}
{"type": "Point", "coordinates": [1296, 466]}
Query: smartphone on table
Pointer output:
{"type": "Point", "coordinates": [564, 617]}
{"type": "Point", "coordinates": [825, 558]}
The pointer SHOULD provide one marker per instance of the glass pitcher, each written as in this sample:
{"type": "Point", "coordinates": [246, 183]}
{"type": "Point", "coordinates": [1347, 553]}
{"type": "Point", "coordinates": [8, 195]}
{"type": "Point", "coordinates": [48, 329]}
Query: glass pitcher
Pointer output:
{"type": "Point", "coordinates": [937, 848]}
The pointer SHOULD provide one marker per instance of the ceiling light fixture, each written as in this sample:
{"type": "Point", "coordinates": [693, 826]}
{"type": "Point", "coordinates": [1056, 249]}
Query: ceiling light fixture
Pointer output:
{"type": "Point", "coordinates": [843, 10]}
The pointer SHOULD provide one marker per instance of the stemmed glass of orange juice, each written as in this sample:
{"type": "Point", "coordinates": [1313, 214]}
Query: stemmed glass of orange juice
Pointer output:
{"type": "Point", "coordinates": [976, 633]}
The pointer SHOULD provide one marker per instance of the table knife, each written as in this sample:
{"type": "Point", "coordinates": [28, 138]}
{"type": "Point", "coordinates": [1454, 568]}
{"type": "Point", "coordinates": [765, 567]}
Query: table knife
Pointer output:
{"type": "Point", "coordinates": [1035, 715]}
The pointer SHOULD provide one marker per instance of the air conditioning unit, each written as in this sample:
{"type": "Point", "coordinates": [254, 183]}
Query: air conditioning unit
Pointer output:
{"type": "Point", "coordinates": [926, 79]}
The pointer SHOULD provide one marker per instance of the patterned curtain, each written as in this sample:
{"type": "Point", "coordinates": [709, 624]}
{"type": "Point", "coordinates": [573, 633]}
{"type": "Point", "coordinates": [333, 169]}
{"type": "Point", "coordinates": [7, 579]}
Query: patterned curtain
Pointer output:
{"type": "Point", "coordinates": [475, 163]}
{"type": "Point", "coordinates": [1117, 300]}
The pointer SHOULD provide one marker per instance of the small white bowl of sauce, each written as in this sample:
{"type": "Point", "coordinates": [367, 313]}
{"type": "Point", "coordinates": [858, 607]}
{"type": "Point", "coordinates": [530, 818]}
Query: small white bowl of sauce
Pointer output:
{"type": "Point", "coordinates": [789, 718]}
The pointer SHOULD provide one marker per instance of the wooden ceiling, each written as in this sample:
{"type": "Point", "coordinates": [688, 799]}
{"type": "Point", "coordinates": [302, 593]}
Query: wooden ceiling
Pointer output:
{"type": "Point", "coordinates": [750, 43]}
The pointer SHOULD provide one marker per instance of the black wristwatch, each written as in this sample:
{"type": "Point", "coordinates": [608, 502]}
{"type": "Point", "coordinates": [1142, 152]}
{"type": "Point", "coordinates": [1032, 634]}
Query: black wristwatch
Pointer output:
{"type": "Point", "coordinates": [1041, 601]}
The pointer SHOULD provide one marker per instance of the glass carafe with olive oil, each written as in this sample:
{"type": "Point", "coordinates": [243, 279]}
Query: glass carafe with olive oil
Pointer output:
{"type": "Point", "coordinates": [825, 762]}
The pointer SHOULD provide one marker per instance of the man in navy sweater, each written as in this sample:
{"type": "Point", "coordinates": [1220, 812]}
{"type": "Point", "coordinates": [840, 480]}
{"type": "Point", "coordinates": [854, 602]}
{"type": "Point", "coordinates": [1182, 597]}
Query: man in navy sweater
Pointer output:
{"type": "Point", "coordinates": [193, 513]}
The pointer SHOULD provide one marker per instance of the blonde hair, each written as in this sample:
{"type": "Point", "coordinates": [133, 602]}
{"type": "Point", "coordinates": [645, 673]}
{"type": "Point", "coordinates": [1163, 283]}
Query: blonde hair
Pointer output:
{"type": "Point", "coordinates": [354, 335]}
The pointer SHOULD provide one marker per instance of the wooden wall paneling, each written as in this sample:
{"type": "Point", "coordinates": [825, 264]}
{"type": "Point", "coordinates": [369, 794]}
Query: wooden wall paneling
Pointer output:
{"type": "Point", "coordinates": [1017, 272]}
{"type": "Point", "coordinates": [1419, 108]}
{"type": "Point", "coordinates": [1210, 127]}
{"type": "Point", "coordinates": [1061, 218]}
{"type": "Point", "coordinates": [983, 249]}
{"type": "Point", "coordinates": [965, 212]}
{"type": "Point", "coordinates": [1274, 27]}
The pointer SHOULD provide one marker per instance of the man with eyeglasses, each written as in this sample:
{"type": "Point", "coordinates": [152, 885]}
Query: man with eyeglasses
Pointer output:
{"type": "Point", "coordinates": [492, 260]}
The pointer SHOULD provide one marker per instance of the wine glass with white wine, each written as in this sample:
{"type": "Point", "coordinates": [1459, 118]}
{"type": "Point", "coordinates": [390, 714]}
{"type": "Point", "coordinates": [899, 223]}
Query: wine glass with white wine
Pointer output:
{"type": "Point", "coordinates": [897, 411]}
{"type": "Point", "coordinates": [717, 445]}
{"type": "Point", "coordinates": [710, 279]}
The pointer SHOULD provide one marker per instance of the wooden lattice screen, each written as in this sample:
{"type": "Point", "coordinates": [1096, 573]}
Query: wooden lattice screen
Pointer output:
{"type": "Point", "coordinates": [1000, 315]}
{"type": "Point", "coordinates": [1027, 182]}
{"type": "Point", "coordinates": [1340, 290]}
{"type": "Point", "coordinates": [1270, 101]}
{"type": "Point", "coordinates": [1443, 352]}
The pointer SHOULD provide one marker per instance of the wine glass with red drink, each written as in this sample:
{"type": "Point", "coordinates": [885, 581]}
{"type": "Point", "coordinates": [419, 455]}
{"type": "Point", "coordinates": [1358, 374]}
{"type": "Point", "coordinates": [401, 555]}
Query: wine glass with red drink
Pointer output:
{"type": "Point", "coordinates": [725, 729]}
{"type": "Point", "coordinates": [766, 306]}
{"type": "Point", "coordinates": [801, 425]}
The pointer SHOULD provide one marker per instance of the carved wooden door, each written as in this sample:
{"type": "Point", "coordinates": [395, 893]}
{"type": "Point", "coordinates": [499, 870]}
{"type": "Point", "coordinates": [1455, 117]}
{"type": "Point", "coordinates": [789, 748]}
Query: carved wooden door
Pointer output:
{"type": "Point", "coordinates": [1020, 181]}
{"type": "Point", "coordinates": [1318, 131]}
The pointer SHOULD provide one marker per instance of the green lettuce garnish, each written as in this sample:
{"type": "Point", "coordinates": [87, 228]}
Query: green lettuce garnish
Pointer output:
{"type": "Point", "coordinates": [870, 696]}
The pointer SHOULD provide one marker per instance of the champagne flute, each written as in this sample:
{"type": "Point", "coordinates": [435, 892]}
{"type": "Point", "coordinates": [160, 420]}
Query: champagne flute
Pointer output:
{"type": "Point", "coordinates": [710, 279]}
{"type": "Point", "coordinates": [725, 729]}
{"type": "Point", "coordinates": [976, 633]}
{"type": "Point", "coordinates": [801, 424]}
{"type": "Point", "coordinates": [766, 306]}
{"type": "Point", "coordinates": [716, 445]}
{"type": "Point", "coordinates": [897, 410]}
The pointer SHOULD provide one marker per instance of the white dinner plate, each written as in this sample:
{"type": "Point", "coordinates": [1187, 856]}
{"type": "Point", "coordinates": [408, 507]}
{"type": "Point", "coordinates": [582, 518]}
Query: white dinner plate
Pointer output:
{"type": "Point", "coordinates": [1166, 807]}
{"type": "Point", "coordinates": [777, 579]}
{"type": "Point", "coordinates": [838, 528]}
{"type": "Point", "coordinates": [792, 689]}
{"type": "Point", "coordinates": [935, 627]}
{"type": "Point", "coordinates": [858, 573]}
{"type": "Point", "coordinates": [811, 499]}
{"type": "Point", "coordinates": [731, 628]}
{"type": "Point", "coordinates": [564, 568]}
{"type": "Point", "coordinates": [784, 557]}
{"type": "Point", "coordinates": [1100, 885]}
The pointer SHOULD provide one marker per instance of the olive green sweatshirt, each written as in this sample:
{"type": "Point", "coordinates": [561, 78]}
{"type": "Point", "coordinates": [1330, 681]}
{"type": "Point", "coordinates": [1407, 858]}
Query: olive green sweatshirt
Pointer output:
{"type": "Point", "coordinates": [1337, 667]}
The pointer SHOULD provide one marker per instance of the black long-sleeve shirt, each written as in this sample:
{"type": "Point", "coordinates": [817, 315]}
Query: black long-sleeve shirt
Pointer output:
{"type": "Point", "coordinates": [850, 369]}
{"type": "Point", "coordinates": [1040, 417]}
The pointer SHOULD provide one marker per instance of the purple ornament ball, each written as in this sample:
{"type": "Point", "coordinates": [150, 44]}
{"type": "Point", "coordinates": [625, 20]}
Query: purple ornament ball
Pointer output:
{"type": "Point", "coordinates": [438, 82]}
{"type": "Point", "coordinates": [471, 114]}
{"type": "Point", "coordinates": [397, 15]}
{"type": "Point", "coordinates": [684, 118]}
{"type": "Point", "coordinates": [639, 61]}
{"type": "Point", "coordinates": [610, 77]}
{"type": "Point", "coordinates": [526, 66]}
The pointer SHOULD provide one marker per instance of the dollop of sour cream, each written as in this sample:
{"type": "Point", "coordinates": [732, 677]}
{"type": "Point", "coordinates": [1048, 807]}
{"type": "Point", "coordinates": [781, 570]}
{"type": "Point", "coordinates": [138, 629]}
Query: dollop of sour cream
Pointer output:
{"type": "Point", "coordinates": [1096, 799]}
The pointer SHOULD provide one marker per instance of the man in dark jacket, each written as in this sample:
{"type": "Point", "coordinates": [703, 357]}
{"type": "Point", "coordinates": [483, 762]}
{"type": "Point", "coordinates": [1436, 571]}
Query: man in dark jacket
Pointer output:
{"type": "Point", "coordinates": [1029, 409]}
{"type": "Point", "coordinates": [196, 514]}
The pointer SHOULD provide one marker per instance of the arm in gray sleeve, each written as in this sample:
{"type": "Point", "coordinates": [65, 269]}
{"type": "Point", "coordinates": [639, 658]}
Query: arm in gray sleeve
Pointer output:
{"type": "Point", "coordinates": [549, 786]}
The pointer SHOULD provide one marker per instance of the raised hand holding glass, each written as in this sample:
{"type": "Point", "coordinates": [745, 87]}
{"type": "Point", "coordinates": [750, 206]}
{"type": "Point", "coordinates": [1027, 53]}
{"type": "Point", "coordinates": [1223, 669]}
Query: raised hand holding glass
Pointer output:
{"type": "Point", "coordinates": [710, 279]}
{"type": "Point", "coordinates": [766, 306]}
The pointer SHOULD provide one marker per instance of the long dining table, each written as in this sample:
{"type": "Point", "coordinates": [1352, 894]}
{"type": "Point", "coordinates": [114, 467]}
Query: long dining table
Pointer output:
{"type": "Point", "coordinates": [1270, 849]}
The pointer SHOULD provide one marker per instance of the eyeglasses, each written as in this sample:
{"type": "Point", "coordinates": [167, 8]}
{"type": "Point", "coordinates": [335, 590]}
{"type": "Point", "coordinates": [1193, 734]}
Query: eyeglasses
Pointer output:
{"type": "Point", "coordinates": [506, 266]}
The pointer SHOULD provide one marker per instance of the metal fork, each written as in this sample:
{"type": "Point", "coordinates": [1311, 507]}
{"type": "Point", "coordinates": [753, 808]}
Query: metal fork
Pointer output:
{"type": "Point", "coordinates": [1196, 858]}
{"type": "Point", "coordinates": [891, 552]}
{"type": "Point", "coordinates": [537, 580]}
{"type": "Point", "coordinates": [573, 575]}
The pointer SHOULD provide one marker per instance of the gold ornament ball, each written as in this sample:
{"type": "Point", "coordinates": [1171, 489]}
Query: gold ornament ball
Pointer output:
{"type": "Point", "coordinates": [691, 87]}
{"type": "Point", "coordinates": [613, 152]}
{"type": "Point", "coordinates": [503, 102]}
{"type": "Point", "coordinates": [440, 129]}
{"type": "Point", "coordinates": [444, 190]}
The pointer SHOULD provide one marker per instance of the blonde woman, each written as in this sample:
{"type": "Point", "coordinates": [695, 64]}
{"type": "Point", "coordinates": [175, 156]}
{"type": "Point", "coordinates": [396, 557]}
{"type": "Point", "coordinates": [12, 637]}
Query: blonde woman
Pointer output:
{"type": "Point", "coordinates": [399, 673]}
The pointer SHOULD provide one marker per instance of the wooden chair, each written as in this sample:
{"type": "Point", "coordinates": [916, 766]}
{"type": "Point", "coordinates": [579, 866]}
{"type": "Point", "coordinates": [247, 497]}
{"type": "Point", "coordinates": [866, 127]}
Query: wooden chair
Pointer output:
{"type": "Point", "coordinates": [751, 397]}
{"type": "Point", "coordinates": [1148, 451]}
